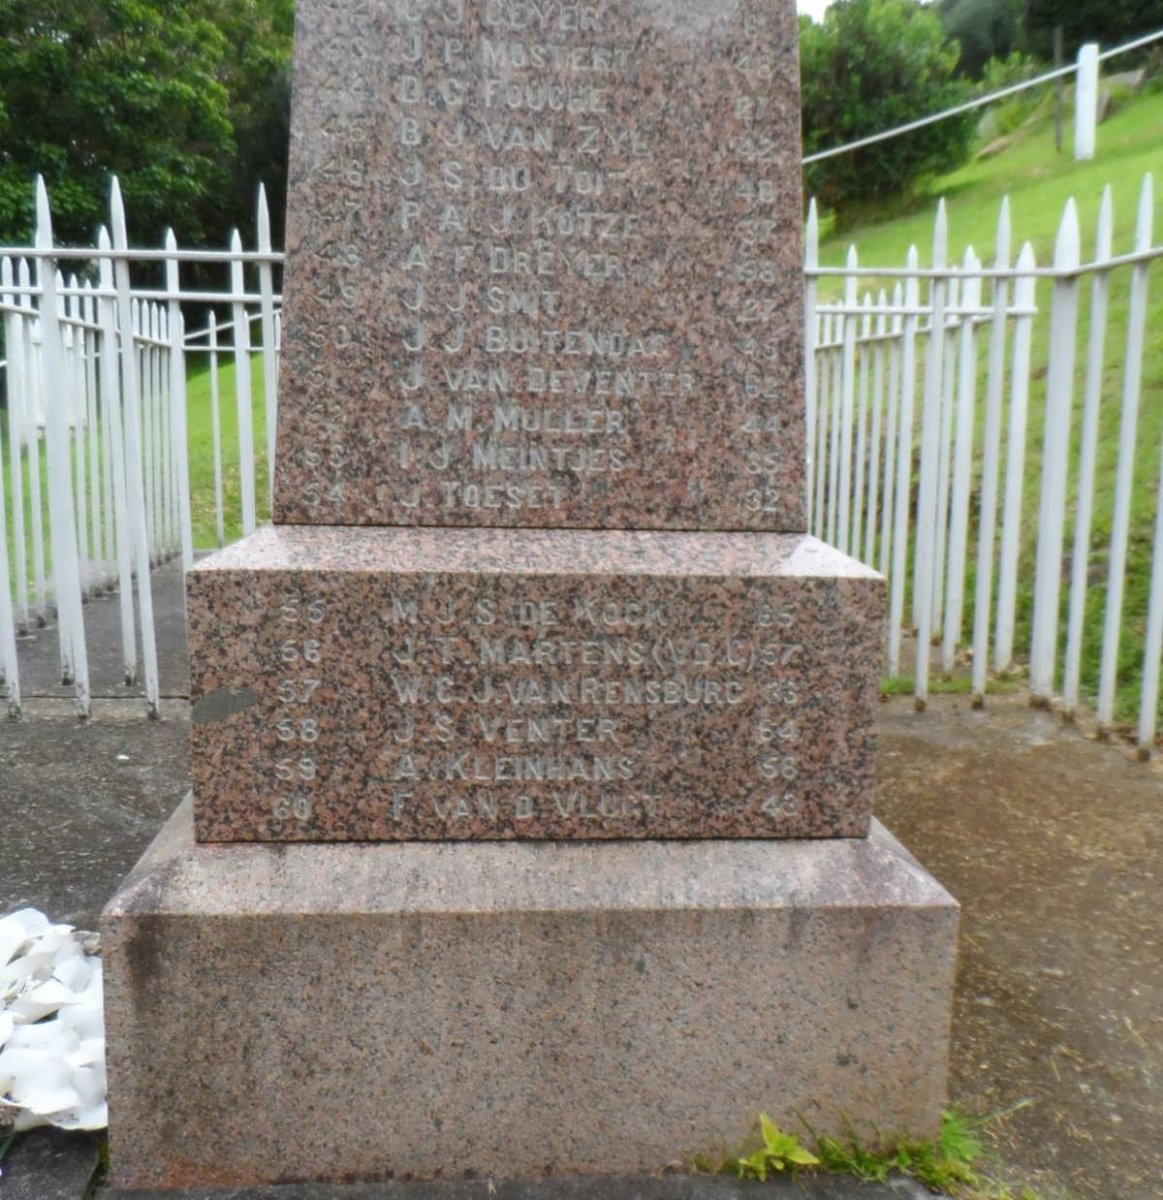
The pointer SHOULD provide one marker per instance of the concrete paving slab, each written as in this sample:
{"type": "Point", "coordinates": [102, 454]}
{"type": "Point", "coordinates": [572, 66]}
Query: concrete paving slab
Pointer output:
{"type": "Point", "coordinates": [48, 1164]}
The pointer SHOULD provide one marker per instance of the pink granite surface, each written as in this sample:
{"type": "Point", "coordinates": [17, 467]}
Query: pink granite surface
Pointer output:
{"type": "Point", "coordinates": [410, 683]}
{"type": "Point", "coordinates": [514, 1010]}
{"type": "Point", "coordinates": [543, 266]}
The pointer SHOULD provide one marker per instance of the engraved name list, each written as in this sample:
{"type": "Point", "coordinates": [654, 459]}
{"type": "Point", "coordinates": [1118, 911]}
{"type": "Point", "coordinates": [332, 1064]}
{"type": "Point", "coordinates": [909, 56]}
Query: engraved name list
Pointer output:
{"type": "Point", "coordinates": [505, 200]}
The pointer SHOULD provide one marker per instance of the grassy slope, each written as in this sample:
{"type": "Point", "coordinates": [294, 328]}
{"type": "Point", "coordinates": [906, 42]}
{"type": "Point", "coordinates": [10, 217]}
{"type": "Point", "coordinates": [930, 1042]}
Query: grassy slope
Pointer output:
{"type": "Point", "coordinates": [1039, 183]}
{"type": "Point", "coordinates": [201, 438]}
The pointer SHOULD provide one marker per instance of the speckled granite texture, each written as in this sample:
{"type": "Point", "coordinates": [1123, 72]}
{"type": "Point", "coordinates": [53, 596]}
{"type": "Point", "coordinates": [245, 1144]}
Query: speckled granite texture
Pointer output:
{"type": "Point", "coordinates": [361, 1011]}
{"type": "Point", "coordinates": [354, 683]}
{"type": "Point", "coordinates": [544, 266]}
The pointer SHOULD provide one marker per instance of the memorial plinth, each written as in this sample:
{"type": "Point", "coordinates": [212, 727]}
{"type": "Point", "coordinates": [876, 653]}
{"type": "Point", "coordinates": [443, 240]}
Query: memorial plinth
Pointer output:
{"type": "Point", "coordinates": [563, 725]}
{"type": "Point", "coordinates": [363, 1011]}
{"type": "Point", "coordinates": [420, 683]}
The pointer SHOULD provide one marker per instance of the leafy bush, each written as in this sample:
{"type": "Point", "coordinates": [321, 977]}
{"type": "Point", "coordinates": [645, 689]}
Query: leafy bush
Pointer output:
{"type": "Point", "coordinates": [872, 65]}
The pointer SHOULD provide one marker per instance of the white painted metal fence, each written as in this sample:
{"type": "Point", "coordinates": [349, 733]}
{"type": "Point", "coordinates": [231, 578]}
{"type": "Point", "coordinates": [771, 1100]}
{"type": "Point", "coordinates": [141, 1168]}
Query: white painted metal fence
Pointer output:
{"type": "Point", "coordinates": [924, 408]}
{"type": "Point", "coordinates": [953, 428]}
{"type": "Point", "coordinates": [94, 430]}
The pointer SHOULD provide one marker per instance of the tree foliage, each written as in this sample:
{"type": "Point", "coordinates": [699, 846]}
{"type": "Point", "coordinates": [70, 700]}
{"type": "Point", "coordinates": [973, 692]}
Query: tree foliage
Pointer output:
{"type": "Point", "coordinates": [984, 29]}
{"type": "Point", "coordinates": [177, 97]}
{"type": "Point", "coordinates": [872, 65]}
{"type": "Point", "coordinates": [1108, 22]}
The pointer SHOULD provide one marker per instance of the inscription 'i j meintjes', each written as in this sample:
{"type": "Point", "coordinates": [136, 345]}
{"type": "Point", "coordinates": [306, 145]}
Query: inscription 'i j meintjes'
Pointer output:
{"type": "Point", "coordinates": [531, 282]}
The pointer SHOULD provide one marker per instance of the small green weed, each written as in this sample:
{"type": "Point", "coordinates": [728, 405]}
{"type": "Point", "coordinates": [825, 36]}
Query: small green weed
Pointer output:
{"type": "Point", "coordinates": [780, 1152]}
{"type": "Point", "coordinates": [945, 1164]}
{"type": "Point", "coordinates": [948, 1165]}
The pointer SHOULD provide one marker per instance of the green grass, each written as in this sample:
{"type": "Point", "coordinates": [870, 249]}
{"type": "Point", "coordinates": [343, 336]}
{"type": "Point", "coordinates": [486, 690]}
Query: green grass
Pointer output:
{"type": "Point", "coordinates": [199, 428]}
{"type": "Point", "coordinates": [1039, 182]}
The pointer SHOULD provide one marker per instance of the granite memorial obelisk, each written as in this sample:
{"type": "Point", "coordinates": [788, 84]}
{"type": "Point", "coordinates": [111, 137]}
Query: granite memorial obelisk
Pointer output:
{"type": "Point", "coordinates": [531, 825]}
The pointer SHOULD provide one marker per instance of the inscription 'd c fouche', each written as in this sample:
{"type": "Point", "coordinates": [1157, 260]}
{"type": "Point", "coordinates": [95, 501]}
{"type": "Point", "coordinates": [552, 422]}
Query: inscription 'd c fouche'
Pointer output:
{"type": "Point", "coordinates": [577, 213]}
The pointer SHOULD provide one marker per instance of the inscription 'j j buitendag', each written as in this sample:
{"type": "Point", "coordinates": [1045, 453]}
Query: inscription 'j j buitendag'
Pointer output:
{"type": "Point", "coordinates": [543, 267]}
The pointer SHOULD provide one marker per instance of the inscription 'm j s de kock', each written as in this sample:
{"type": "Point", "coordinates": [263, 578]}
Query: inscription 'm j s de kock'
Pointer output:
{"type": "Point", "coordinates": [636, 691]}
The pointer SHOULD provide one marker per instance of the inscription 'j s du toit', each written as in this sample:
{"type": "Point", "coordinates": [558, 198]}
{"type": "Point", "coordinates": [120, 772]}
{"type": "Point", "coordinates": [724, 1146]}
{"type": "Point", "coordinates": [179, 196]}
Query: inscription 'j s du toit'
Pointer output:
{"type": "Point", "coordinates": [535, 199]}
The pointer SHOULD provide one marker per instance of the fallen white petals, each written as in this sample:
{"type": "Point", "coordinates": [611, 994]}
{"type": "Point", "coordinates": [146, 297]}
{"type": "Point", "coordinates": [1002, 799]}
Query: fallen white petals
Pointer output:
{"type": "Point", "coordinates": [52, 1029]}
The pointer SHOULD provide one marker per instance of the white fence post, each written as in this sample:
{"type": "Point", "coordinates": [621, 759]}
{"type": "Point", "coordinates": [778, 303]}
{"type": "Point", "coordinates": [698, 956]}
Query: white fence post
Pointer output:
{"type": "Point", "coordinates": [1086, 102]}
{"type": "Point", "coordinates": [1124, 476]}
{"type": "Point", "coordinates": [266, 291]}
{"type": "Point", "coordinates": [1087, 451]}
{"type": "Point", "coordinates": [17, 384]}
{"type": "Point", "coordinates": [876, 442]}
{"type": "Point", "coordinates": [111, 402]}
{"type": "Point", "coordinates": [216, 430]}
{"type": "Point", "coordinates": [242, 388]}
{"type": "Point", "coordinates": [30, 421]}
{"type": "Point", "coordinates": [1025, 294]}
{"type": "Point", "coordinates": [957, 553]}
{"type": "Point", "coordinates": [904, 469]}
{"type": "Point", "coordinates": [991, 457]}
{"type": "Point", "coordinates": [133, 451]}
{"type": "Point", "coordinates": [931, 423]}
{"type": "Point", "coordinates": [811, 262]}
{"type": "Point", "coordinates": [177, 353]}
{"type": "Point", "coordinates": [66, 567]}
{"type": "Point", "coordinates": [847, 407]}
{"type": "Point", "coordinates": [1153, 647]}
{"type": "Point", "coordinates": [888, 506]}
{"type": "Point", "coordinates": [1055, 459]}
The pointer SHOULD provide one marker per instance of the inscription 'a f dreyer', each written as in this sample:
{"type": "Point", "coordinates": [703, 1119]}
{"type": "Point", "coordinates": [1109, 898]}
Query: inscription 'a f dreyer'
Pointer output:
{"type": "Point", "coordinates": [543, 203]}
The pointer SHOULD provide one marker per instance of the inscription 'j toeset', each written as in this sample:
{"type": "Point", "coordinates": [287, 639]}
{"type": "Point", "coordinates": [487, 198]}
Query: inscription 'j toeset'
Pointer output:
{"type": "Point", "coordinates": [543, 267]}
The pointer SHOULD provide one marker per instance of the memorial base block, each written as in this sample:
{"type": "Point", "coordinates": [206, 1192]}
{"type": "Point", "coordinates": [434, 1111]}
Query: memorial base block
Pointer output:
{"type": "Point", "coordinates": [368, 1011]}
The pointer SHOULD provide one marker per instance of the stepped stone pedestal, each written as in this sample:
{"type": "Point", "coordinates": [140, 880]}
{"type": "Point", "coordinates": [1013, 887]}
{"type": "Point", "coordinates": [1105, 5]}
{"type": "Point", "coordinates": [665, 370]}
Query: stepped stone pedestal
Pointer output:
{"type": "Point", "coordinates": [366, 1011]}
{"type": "Point", "coordinates": [531, 830]}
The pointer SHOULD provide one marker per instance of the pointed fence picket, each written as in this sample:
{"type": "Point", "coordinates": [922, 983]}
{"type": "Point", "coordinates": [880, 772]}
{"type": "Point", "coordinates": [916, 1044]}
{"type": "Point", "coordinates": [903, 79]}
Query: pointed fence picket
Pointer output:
{"type": "Point", "coordinates": [951, 434]}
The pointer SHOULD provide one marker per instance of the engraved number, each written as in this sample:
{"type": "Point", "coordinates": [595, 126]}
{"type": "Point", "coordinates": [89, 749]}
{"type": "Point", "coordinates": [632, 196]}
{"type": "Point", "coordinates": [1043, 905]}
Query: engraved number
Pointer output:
{"type": "Point", "coordinates": [773, 731]}
{"type": "Point", "coordinates": [304, 730]}
{"type": "Point", "coordinates": [298, 807]}
{"type": "Point", "coordinates": [308, 651]}
{"type": "Point", "coordinates": [297, 691]}
{"type": "Point", "coordinates": [290, 769]}
{"type": "Point", "coordinates": [780, 806]}
{"type": "Point", "coordinates": [779, 767]}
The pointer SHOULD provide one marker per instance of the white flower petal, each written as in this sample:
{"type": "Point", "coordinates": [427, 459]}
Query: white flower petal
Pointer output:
{"type": "Point", "coordinates": [75, 972]}
{"type": "Point", "coordinates": [47, 1101]}
{"type": "Point", "coordinates": [28, 1120]}
{"type": "Point", "coordinates": [91, 1116]}
{"type": "Point", "coordinates": [47, 1035]}
{"type": "Point", "coordinates": [16, 928]}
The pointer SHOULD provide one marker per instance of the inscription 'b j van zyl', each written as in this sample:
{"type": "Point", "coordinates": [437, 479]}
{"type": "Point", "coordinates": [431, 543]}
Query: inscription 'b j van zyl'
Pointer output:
{"type": "Point", "coordinates": [536, 253]}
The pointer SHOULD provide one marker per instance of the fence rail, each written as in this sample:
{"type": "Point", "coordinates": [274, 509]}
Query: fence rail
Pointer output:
{"type": "Point", "coordinates": [961, 440]}
{"type": "Point", "coordinates": [925, 408]}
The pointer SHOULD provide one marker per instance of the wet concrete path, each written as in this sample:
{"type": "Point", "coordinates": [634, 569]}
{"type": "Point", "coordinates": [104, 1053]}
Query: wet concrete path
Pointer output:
{"type": "Point", "coordinates": [1052, 843]}
{"type": "Point", "coordinates": [1050, 840]}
